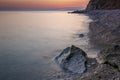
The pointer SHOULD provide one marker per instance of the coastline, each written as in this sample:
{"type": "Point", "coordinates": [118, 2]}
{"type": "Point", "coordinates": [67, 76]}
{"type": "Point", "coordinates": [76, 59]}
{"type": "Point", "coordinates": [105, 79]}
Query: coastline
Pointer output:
{"type": "Point", "coordinates": [104, 33]}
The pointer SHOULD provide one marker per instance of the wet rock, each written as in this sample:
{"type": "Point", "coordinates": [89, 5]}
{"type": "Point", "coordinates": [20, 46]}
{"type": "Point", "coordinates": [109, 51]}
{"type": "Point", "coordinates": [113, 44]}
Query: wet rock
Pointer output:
{"type": "Point", "coordinates": [63, 55]}
{"type": "Point", "coordinates": [81, 35]}
{"type": "Point", "coordinates": [110, 56]}
{"type": "Point", "coordinates": [72, 59]}
{"type": "Point", "coordinates": [78, 11]}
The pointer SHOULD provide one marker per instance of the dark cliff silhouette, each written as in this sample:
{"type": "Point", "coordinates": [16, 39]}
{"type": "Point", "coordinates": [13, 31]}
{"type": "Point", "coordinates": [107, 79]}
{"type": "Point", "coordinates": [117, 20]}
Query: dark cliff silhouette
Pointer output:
{"type": "Point", "coordinates": [103, 4]}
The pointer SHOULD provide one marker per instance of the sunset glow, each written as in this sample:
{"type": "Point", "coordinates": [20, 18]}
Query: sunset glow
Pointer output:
{"type": "Point", "coordinates": [43, 3]}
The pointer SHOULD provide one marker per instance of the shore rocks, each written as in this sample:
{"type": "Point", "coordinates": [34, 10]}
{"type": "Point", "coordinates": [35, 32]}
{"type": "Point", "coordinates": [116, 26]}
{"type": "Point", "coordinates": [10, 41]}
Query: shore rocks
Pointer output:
{"type": "Point", "coordinates": [74, 62]}
{"type": "Point", "coordinates": [108, 68]}
{"type": "Point", "coordinates": [105, 33]}
{"type": "Point", "coordinates": [103, 4]}
{"type": "Point", "coordinates": [78, 11]}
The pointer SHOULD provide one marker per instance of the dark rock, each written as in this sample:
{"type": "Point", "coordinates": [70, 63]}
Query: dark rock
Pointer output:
{"type": "Point", "coordinates": [62, 55]}
{"type": "Point", "coordinates": [78, 11]}
{"type": "Point", "coordinates": [72, 59]}
{"type": "Point", "coordinates": [81, 35]}
{"type": "Point", "coordinates": [103, 4]}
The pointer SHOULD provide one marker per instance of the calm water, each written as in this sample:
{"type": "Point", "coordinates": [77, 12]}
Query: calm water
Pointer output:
{"type": "Point", "coordinates": [29, 41]}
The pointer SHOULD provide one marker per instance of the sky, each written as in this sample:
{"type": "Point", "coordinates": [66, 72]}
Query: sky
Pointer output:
{"type": "Point", "coordinates": [43, 3]}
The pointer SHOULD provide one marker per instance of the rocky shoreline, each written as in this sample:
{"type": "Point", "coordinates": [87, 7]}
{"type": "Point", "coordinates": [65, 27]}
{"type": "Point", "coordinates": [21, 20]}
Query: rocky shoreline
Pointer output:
{"type": "Point", "coordinates": [105, 67]}
{"type": "Point", "coordinates": [108, 67]}
{"type": "Point", "coordinates": [104, 32]}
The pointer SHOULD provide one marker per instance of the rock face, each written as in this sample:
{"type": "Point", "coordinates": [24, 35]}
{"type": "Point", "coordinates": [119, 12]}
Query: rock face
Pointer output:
{"type": "Point", "coordinates": [103, 4]}
{"type": "Point", "coordinates": [105, 28]}
{"type": "Point", "coordinates": [72, 59]}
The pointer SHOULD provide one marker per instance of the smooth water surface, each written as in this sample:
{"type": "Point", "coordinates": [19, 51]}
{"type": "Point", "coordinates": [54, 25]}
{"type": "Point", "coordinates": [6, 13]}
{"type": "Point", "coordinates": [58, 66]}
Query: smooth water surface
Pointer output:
{"type": "Point", "coordinates": [29, 41]}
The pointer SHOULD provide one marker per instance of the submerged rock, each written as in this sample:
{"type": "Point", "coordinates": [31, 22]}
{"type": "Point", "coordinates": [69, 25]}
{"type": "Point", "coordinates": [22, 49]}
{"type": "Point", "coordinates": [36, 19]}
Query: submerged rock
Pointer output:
{"type": "Point", "coordinates": [62, 55]}
{"type": "Point", "coordinates": [72, 59]}
{"type": "Point", "coordinates": [78, 11]}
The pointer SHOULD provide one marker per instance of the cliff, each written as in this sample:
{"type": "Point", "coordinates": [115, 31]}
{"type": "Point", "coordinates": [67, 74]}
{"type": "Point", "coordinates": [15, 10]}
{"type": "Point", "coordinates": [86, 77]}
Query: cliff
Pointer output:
{"type": "Point", "coordinates": [103, 4]}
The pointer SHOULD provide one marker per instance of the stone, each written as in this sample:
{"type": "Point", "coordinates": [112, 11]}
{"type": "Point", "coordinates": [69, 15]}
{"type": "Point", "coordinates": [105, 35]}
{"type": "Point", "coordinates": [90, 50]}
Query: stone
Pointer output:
{"type": "Point", "coordinates": [78, 11]}
{"type": "Point", "coordinates": [81, 35]}
{"type": "Point", "coordinates": [72, 59]}
{"type": "Point", "coordinates": [62, 55]}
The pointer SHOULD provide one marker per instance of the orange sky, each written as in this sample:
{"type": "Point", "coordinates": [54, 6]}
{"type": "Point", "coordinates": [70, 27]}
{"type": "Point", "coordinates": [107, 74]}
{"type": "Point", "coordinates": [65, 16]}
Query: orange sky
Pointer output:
{"type": "Point", "coordinates": [44, 3]}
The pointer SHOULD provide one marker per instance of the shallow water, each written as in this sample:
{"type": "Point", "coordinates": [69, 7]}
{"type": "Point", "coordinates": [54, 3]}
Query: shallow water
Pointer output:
{"type": "Point", "coordinates": [29, 41]}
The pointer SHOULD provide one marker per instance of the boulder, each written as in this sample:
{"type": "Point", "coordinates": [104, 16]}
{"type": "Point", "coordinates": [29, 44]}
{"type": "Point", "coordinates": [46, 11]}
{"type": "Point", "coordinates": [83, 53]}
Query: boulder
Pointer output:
{"type": "Point", "coordinates": [62, 55]}
{"type": "Point", "coordinates": [72, 59]}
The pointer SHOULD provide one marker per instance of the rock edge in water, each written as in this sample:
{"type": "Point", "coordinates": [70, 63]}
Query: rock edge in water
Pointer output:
{"type": "Point", "coordinates": [75, 60]}
{"type": "Point", "coordinates": [72, 59]}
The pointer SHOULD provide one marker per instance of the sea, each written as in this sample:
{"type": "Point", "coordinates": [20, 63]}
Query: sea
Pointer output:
{"type": "Point", "coordinates": [30, 40]}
